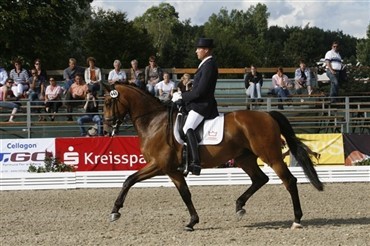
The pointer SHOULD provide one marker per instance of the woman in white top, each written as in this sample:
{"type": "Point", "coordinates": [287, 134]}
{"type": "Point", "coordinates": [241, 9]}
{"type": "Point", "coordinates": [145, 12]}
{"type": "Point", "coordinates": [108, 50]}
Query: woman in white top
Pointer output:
{"type": "Point", "coordinates": [280, 85]}
{"type": "Point", "coordinates": [117, 75]}
{"type": "Point", "coordinates": [53, 98]}
{"type": "Point", "coordinates": [165, 88]}
{"type": "Point", "coordinates": [92, 75]}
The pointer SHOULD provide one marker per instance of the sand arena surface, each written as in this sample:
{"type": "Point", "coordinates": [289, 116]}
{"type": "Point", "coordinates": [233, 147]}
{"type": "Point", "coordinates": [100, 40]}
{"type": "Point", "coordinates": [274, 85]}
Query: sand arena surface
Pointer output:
{"type": "Point", "coordinates": [156, 216]}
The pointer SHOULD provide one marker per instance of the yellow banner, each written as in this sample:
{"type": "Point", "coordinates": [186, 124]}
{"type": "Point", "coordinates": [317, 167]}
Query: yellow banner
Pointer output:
{"type": "Point", "coordinates": [329, 147]}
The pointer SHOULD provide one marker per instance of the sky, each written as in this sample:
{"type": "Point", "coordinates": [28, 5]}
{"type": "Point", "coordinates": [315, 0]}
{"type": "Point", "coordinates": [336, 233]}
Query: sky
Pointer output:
{"type": "Point", "coordinates": [349, 16]}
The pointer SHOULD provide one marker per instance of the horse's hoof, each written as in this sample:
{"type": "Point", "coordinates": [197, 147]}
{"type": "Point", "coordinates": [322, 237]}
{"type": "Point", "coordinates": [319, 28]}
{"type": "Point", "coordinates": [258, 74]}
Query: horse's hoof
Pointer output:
{"type": "Point", "coordinates": [114, 216]}
{"type": "Point", "coordinates": [240, 214]}
{"type": "Point", "coordinates": [296, 226]}
{"type": "Point", "coordinates": [189, 228]}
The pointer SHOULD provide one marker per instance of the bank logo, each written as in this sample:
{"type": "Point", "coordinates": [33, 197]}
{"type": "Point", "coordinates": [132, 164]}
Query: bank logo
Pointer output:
{"type": "Point", "coordinates": [71, 157]}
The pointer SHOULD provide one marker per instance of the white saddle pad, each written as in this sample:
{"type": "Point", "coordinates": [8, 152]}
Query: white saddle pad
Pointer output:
{"type": "Point", "coordinates": [213, 131]}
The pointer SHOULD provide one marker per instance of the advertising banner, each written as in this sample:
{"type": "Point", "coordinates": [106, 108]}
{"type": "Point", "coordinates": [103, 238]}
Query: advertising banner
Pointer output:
{"type": "Point", "coordinates": [329, 148]}
{"type": "Point", "coordinates": [16, 155]}
{"type": "Point", "coordinates": [100, 153]}
{"type": "Point", "coordinates": [356, 148]}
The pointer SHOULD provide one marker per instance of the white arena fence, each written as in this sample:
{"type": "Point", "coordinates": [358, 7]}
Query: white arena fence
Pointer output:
{"type": "Point", "coordinates": [218, 176]}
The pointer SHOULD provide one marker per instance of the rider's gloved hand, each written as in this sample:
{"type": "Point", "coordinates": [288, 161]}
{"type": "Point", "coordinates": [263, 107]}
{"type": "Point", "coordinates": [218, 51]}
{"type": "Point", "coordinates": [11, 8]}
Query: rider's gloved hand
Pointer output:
{"type": "Point", "coordinates": [176, 96]}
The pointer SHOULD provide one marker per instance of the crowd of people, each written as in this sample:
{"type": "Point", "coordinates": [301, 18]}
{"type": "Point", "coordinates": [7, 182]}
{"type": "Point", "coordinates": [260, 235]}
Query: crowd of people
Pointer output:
{"type": "Point", "coordinates": [83, 83]}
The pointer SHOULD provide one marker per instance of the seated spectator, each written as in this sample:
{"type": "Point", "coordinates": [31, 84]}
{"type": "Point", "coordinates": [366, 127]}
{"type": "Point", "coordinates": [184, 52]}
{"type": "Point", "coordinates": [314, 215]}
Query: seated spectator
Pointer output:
{"type": "Point", "coordinates": [136, 75]}
{"type": "Point", "coordinates": [253, 82]}
{"type": "Point", "coordinates": [91, 108]}
{"type": "Point", "coordinates": [7, 98]}
{"type": "Point", "coordinates": [280, 84]}
{"type": "Point", "coordinates": [3, 76]}
{"type": "Point", "coordinates": [92, 75]}
{"type": "Point", "coordinates": [153, 74]}
{"type": "Point", "coordinates": [40, 71]}
{"type": "Point", "coordinates": [76, 93]}
{"type": "Point", "coordinates": [36, 91]}
{"type": "Point", "coordinates": [53, 97]}
{"type": "Point", "coordinates": [117, 75]}
{"type": "Point", "coordinates": [302, 78]}
{"type": "Point", "coordinates": [20, 77]}
{"type": "Point", "coordinates": [185, 83]}
{"type": "Point", "coordinates": [70, 73]}
{"type": "Point", "coordinates": [165, 88]}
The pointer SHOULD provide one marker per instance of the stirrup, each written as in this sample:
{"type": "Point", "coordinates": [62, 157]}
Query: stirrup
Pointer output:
{"type": "Point", "coordinates": [195, 169]}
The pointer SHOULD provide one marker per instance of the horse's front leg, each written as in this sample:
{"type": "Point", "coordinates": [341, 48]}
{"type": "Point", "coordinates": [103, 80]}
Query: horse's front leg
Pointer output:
{"type": "Point", "coordinates": [181, 185]}
{"type": "Point", "coordinates": [149, 171]}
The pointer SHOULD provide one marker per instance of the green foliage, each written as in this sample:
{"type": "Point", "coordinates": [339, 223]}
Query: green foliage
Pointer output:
{"type": "Point", "coordinates": [363, 163]}
{"type": "Point", "coordinates": [51, 165]}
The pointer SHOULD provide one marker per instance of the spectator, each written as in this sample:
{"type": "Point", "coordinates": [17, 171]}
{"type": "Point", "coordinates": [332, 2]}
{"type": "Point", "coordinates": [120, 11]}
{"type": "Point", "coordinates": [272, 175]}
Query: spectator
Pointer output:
{"type": "Point", "coordinates": [302, 78]}
{"type": "Point", "coordinates": [165, 88]}
{"type": "Point", "coordinates": [153, 74]}
{"type": "Point", "coordinates": [75, 94]}
{"type": "Point", "coordinates": [70, 73]}
{"type": "Point", "coordinates": [36, 91]}
{"type": "Point", "coordinates": [20, 77]}
{"type": "Point", "coordinates": [185, 83]}
{"type": "Point", "coordinates": [53, 97]}
{"type": "Point", "coordinates": [40, 71]}
{"type": "Point", "coordinates": [253, 82]}
{"type": "Point", "coordinates": [280, 84]}
{"type": "Point", "coordinates": [91, 108]}
{"type": "Point", "coordinates": [92, 75]}
{"type": "Point", "coordinates": [3, 76]}
{"type": "Point", "coordinates": [136, 75]}
{"type": "Point", "coordinates": [334, 67]}
{"type": "Point", "coordinates": [7, 98]}
{"type": "Point", "coordinates": [117, 75]}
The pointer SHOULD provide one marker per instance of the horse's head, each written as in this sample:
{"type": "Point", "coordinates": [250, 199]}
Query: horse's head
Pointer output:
{"type": "Point", "coordinates": [115, 106]}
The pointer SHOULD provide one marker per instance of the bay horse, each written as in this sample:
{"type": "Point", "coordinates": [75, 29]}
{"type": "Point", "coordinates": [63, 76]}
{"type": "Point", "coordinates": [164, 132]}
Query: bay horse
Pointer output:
{"type": "Point", "coordinates": [247, 136]}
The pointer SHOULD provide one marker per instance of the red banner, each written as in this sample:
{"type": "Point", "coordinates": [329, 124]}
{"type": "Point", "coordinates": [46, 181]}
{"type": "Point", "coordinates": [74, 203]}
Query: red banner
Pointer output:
{"type": "Point", "coordinates": [100, 153]}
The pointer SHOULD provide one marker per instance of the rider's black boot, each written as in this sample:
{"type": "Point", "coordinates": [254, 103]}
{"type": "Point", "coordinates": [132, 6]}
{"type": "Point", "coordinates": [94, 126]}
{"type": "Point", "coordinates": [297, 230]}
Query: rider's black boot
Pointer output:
{"type": "Point", "coordinates": [192, 142]}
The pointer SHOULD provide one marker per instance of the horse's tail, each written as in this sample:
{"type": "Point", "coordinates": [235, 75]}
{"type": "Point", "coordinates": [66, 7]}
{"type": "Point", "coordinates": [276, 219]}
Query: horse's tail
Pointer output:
{"type": "Point", "coordinates": [297, 148]}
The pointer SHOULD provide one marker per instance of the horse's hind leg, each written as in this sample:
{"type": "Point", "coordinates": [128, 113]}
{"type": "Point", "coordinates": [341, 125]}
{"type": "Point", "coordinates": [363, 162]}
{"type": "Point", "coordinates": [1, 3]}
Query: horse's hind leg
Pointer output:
{"type": "Point", "coordinates": [146, 172]}
{"type": "Point", "coordinates": [248, 163]}
{"type": "Point", "coordinates": [290, 183]}
{"type": "Point", "coordinates": [181, 185]}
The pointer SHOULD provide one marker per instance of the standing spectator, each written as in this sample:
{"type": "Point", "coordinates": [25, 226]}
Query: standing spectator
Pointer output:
{"type": "Point", "coordinates": [20, 77]}
{"type": "Point", "coordinates": [333, 62]}
{"type": "Point", "coordinates": [75, 94]}
{"type": "Point", "coordinates": [185, 83]}
{"type": "Point", "coordinates": [153, 74]}
{"type": "Point", "coordinates": [117, 75]}
{"type": "Point", "coordinates": [3, 76]}
{"type": "Point", "coordinates": [53, 97]}
{"type": "Point", "coordinates": [40, 71]}
{"type": "Point", "coordinates": [280, 84]}
{"type": "Point", "coordinates": [91, 108]}
{"type": "Point", "coordinates": [253, 82]}
{"type": "Point", "coordinates": [136, 75]}
{"type": "Point", "coordinates": [165, 88]}
{"type": "Point", "coordinates": [92, 75]}
{"type": "Point", "coordinates": [36, 91]}
{"type": "Point", "coordinates": [70, 73]}
{"type": "Point", "coordinates": [7, 98]}
{"type": "Point", "coordinates": [302, 78]}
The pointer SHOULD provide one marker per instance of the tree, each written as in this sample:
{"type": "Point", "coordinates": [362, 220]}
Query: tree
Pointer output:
{"type": "Point", "coordinates": [158, 22]}
{"type": "Point", "coordinates": [363, 49]}
{"type": "Point", "coordinates": [37, 28]}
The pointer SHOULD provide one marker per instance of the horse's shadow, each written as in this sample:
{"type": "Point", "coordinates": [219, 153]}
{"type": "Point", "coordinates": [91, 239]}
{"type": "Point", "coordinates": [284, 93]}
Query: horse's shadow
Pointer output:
{"type": "Point", "coordinates": [319, 222]}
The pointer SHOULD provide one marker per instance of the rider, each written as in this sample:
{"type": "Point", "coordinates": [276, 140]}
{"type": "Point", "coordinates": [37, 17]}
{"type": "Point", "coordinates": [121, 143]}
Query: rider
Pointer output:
{"type": "Point", "coordinates": [200, 100]}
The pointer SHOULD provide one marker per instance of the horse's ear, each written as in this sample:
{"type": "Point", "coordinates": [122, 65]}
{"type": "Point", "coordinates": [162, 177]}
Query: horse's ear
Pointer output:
{"type": "Point", "coordinates": [106, 85]}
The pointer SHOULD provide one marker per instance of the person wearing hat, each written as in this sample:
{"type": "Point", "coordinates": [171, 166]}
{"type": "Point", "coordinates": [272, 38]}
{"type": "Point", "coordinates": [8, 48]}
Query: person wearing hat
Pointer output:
{"type": "Point", "coordinates": [7, 97]}
{"type": "Point", "coordinates": [200, 101]}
